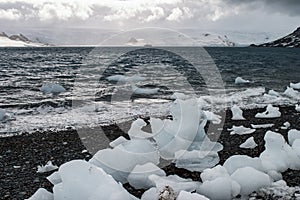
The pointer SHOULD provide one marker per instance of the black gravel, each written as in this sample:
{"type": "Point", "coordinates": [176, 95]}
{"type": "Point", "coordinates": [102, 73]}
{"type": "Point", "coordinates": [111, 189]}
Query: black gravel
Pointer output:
{"type": "Point", "coordinates": [20, 155]}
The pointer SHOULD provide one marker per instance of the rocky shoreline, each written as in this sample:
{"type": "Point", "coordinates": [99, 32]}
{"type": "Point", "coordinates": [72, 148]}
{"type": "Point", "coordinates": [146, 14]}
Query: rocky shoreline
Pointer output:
{"type": "Point", "coordinates": [20, 155]}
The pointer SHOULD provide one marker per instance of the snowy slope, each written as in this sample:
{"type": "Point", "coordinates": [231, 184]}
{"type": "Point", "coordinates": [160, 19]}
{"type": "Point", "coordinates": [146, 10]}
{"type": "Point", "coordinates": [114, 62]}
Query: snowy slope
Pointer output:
{"type": "Point", "coordinates": [17, 41]}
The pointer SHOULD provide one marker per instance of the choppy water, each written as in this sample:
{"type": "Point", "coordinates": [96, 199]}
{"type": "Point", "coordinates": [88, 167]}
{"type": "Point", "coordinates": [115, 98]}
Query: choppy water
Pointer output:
{"type": "Point", "coordinates": [91, 100]}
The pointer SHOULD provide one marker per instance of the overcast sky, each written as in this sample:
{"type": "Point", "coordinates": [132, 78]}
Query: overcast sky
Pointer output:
{"type": "Point", "coordinates": [244, 15]}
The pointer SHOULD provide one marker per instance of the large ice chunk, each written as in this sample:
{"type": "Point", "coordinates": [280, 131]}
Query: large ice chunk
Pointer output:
{"type": "Point", "coordinates": [250, 179]}
{"type": "Point", "coordinates": [210, 174]}
{"type": "Point", "coordinates": [271, 112]}
{"type": "Point", "coordinates": [278, 155]}
{"type": "Point", "coordinates": [82, 180]}
{"type": "Point", "coordinates": [138, 178]}
{"type": "Point", "coordinates": [42, 194]}
{"type": "Point", "coordinates": [237, 113]}
{"type": "Point", "coordinates": [293, 135]}
{"type": "Point", "coordinates": [239, 161]}
{"type": "Point", "coordinates": [183, 195]}
{"type": "Point", "coordinates": [121, 160]}
{"type": "Point", "coordinates": [136, 131]}
{"type": "Point", "coordinates": [53, 88]}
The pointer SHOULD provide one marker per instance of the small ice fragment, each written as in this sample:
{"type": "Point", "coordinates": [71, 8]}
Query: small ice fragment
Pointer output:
{"type": "Point", "coordinates": [53, 88]}
{"type": "Point", "coordinates": [240, 130]}
{"type": "Point", "coordinates": [146, 91]}
{"type": "Point", "coordinates": [297, 107]}
{"type": "Point", "coordinates": [84, 151]}
{"type": "Point", "coordinates": [249, 144]}
{"type": "Point", "coordinates": [42, 194]}
{"type": "Point", "coordinates": [178, 95]}
{"type": "Point", "coordinates": [271, 112]}
{"type": "Point", "coordinates": [273, 93]}
{"type": "Point", "coordinates": [65, 143]}
{"type": "Point", "coordinates": [250, 179]}
{"type": "Point", "coordinates": [54, 178]}
{"type": "Point", "coordinates": [286, 125]}
{"type": "Point", "coordinates": [16, 166]}
{"type": "Point", "coordinates": [295, 85]}
{"type": "Point", "coordinates": [293, 134]}
{"type": "Point", "coordinates": [240, 80]}
{"type": "Point", "coordinates": [290, 92]}
{"type": "Point", "coordinates": [256, 126]}
{"type": "Point", "coordinates": [183, 195]}
{"type": "Point", "coordinates": [237, 113]}
{"type": "Point", "coordinates": [46, 168]}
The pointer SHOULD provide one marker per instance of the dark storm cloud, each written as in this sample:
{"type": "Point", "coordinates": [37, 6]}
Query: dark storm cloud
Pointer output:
{"type": "Point", "coordinates": [289, 7]}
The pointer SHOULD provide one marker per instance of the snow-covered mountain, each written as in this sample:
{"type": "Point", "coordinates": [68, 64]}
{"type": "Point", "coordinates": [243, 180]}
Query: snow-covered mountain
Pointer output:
{"type": "Point", "coordinates": [291, 40]}
{"type": "Point", "coordinates": [17, 41]}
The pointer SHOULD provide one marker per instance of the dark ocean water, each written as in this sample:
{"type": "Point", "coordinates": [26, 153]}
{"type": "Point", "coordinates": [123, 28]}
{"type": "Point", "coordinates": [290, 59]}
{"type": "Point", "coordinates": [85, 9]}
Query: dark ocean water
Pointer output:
{"type": "Point", "coordinates": [83, 72]}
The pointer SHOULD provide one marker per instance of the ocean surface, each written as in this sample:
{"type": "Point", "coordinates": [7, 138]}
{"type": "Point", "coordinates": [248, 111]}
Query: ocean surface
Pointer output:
{"type": "Point", "coordinates": [91, 100]}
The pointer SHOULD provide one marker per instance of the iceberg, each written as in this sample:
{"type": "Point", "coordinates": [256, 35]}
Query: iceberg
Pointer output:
{"type": "Point", "coordinates": [239, 161]}
{"type": "Point", "coordinates": [240, 80]}
{"type": "Point", "coordinates": [237, 113]}
{"type": "Point", "coordinates": [53, 88]}
{"type": "Point", "coordinates": [271, 112]}
{"type": "Point", "coordinates": [249, 144]}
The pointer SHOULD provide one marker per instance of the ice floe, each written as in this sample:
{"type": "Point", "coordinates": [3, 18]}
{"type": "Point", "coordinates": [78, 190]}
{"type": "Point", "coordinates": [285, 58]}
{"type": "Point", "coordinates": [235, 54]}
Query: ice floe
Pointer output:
{"type": "Point", "coordinates": [240, 130]}
{"type": "Point", "coordinates": [237, 113]}
{"type": "Point", "coordinates": [46, 168]}
{"type": "Point", "coordinates": [293, 134]}
{"type": "Point", "coordinates": [295, 85]}
{"type": "Point", "coordinates": [257, 126]}
{"type": "Point", "coordinates": [53, 88]}
{"type": "Point", "coordinates": [249, 144]}
{"type": "Point", "coordinates": [240, 80]}
{"type": "Point", "coordinates": [122, 78]}
{"type": "Point", "coordinates": [271, 112]}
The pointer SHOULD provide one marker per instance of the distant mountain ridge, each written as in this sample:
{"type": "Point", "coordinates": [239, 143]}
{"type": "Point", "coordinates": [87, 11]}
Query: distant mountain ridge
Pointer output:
{"type": "Point", "coordinates": [19, 40]}
{"type": "Point", "coordinates": [291, 40]}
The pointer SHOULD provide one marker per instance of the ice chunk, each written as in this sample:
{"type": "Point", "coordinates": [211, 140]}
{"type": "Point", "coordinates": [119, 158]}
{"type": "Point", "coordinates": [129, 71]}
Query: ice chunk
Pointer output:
{"type": "Point", "coordinates": [221, 188]}
{"type": "Point", "coordinates": [178, 95]}
{"type": "Point", "coordinates": [183, 195]}
{"type": "Point", "coordinates": [286, 125]}
{"type": "Point", "coordinates": [249, 144]}
{"type": "Point", "coordinates": [239, 161]}
{"type": "Point", "coordinates": [240, 130]}
{"type": "Point", "coordinates": [150, 194]}
{"type": "Point", "coordinates": [175, 182]}
{"type": "Point", "coordinates": [42, 194]}
{"type": "Point", "coordinates": [46, 168]}
{"type": "Point", "coordinates": [138, 178]}
{"type": "Point", "coordinates": [295, 86]}
{"type": "Point", "coordinates": [121, 160]}
{"type": "Point", "coordinates": [122, 78]}
{"type": "Point", "coordinates": [213, 173]}
{"type": "Point", "coordinates": [240, 80]}
{"type": "Point", "coordinates": [290, 92]}
{"type": "Point", "coordinates": [271, 112]}
{"type": "Point", "coordinates": [146, 91]}
{"type": "Point", "coordinates": [136, 131]}
{"type": "Point", "coordinates": [3, 114]}
{"type": "Point", "coordinates": [273, 93]}
{"type": "Point", "coordinates": [215, 119]}
{"type": "Point", "coordinates": [297, 108]}
{"type": "Point", "coordinates": [118, 141]}
{"type": "Point", "coordinates": [278, 155]}
{"type": "Point", "coordinates": [256, 126]}
{"type": "Point", "coordinates": [82, 180]}
{"type": "Point", "coordinates": [250, 179]}
{"type": "Point", "coordinates": [54, 178]}
{"type": "Point", "coordinates": [293, 135]}
{"type": "Point", "coordinates": [237, 113]}
{"type": "Point", "coordinates": [53, 88]}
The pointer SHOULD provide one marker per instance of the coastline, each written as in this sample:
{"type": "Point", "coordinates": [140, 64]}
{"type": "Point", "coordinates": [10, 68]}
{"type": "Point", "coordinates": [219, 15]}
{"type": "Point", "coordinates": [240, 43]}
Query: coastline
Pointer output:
{"type": "Point", "coordinates": [20, 155]}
